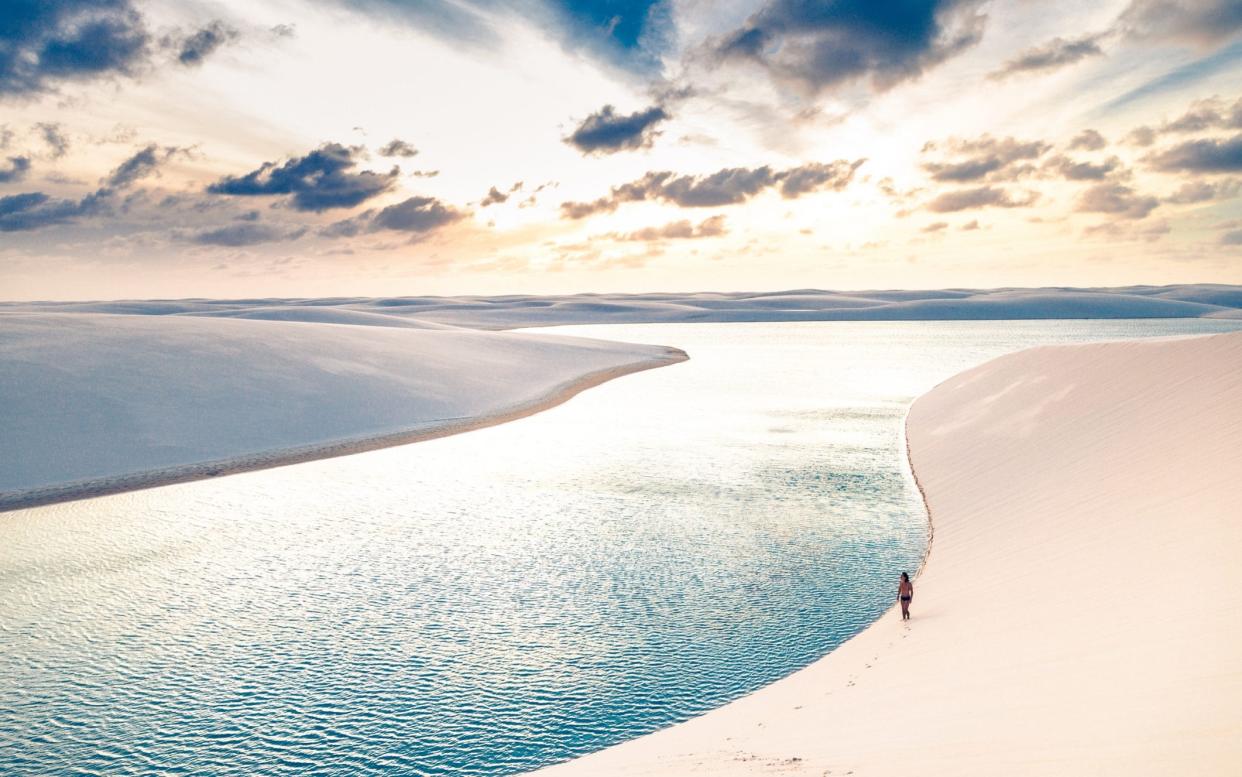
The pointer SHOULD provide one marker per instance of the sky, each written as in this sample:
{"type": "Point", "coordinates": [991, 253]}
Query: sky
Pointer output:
{"type": "Point", "coordinates": [299, 148]}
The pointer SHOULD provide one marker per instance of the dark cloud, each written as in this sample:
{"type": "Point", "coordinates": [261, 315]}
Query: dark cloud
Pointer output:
{"type": "Point", "coordinates": [34, 210]}
{"type": "Point", "coordinates": [138, 166]}
{"type": "Point", "coordinates": [1117, 200]}
{"type": "Point", "coordinates": [935, 226]}
{"type": "Point", "coordinates": [823, 44]}
{"type": "Point", "coordinates": [321, 180]}
{"type": "Point", "coordinates": [1208, 155]}
{"type": "Point", "coordinates": [1202, 191]}
{"type": "Point", "coordinates": [984, 158]}
{"type": "Point", "coordinates": [494, 197]}
{"type": "Point", "coordinates": [192, 49]}
{"type": "Point", "coordinates": [1203, 22]}
{"type": "Point", "coordinates": [16, 169]}
{"type": "Point", "coordinates": [398, 147]}
{"type": "Point", "coordinates": [1232, 238]}
{"type": "Point", "coordinates": [724, 187]}
{"type": "Point", "coordinates": [607, 132]}
{"type": "Point", "coordinates": [1071, 170]}
{"type": "Point", "coordinates": [244, 233]}
{"type": "Point", "coordinates": [350, 227]}
{"type": "Point", "coordinates": [284, 30]}
{"type": "Point", "coordinates": [1088, 140]}
{"type": "Point", "coordinates": [43, 42]}
{"type": "Point", "coordinates": [1054, 54]}
{"type": "Point", "coordinates": [980, 197]}
{"type": "Point", "coordinates": [54, 138]}
{"type": "Point", "coordinates": [677, 230]}
{"type": "Point", "coordinates": [417, 214]}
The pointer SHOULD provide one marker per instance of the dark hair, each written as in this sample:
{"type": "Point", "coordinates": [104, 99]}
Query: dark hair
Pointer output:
{"type": "Point", "coordinates": [905, 576]}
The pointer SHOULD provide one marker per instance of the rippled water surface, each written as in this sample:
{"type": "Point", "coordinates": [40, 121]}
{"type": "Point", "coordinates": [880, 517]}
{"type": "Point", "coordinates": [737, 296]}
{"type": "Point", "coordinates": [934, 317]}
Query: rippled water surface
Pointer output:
{"type": "Point", "coordinates": [500, 600]}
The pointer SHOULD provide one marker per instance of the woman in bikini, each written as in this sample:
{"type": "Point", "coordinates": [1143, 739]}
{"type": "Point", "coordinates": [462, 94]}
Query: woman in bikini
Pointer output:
{"type": "Point", "coordinates": [905, 593]}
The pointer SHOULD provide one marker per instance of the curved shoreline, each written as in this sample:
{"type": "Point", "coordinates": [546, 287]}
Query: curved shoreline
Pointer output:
{"type": "Point", "coordinates": [1052, 473]}
{"type": "Point", "coordinates": [106, 486]}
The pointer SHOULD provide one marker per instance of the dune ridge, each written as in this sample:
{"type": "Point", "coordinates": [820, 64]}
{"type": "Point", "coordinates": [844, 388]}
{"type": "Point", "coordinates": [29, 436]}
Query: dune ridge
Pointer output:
{"type": "Point", "coordinates": [526, 310]}
{"type": "Point", "coordinates": [1077, 613]}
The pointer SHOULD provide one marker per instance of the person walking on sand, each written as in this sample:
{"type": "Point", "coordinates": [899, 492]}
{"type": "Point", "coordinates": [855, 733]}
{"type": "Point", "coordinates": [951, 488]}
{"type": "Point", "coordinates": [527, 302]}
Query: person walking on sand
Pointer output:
{"type": "Point", "coordinates": [905, 593]}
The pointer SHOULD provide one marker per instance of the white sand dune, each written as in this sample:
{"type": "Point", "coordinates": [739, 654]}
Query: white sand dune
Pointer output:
{"type": "Point", "coordinates": [97, 403]}
{"type": "Point", "coordinates": [518, 310]}
{"type": "Point", "coordinates": [1079, 612]}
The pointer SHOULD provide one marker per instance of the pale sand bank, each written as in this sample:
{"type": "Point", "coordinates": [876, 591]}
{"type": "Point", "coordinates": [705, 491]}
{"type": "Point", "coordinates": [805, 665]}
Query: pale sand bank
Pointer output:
{"type": "Point", "coordinates": [94, 404]}
{"type": "Point", "coordinates": [1080, 612]}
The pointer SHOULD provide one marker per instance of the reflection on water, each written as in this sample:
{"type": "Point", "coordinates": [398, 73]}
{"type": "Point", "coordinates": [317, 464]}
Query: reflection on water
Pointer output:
{"type": "Point", "coordinates": [499, 600]}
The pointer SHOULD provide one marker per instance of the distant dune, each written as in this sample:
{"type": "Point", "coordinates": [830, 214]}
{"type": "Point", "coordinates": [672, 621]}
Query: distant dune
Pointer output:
{"type": "Point", "coordinates": [513, 311]}
{"type": "Point", "coordinates": [1079, 611]}
{"type": "Point", "coordinates": [95, 403]}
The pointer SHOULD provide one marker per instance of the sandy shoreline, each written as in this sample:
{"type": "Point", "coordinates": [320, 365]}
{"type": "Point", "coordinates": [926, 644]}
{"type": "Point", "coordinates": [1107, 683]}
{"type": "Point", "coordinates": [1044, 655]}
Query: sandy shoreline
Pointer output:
{"type": "Point", "coordinates": [88, 489]}
{"type": "Point", "coordinates": [1077, 613]}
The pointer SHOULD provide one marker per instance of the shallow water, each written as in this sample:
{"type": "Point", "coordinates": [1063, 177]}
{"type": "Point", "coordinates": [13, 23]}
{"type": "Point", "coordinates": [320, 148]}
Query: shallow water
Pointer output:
{"type": "Point", "coordinates": [499, 600]}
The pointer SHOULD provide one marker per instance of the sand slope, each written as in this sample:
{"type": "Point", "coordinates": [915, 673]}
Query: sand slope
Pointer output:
{"type": "Point", "coordinates": [1080, 611]}
{"type": "Point", "coordinates": [95, 403]}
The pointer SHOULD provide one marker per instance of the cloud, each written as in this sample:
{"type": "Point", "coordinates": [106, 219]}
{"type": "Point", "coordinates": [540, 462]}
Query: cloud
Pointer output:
{"type": "Point", "coordinates": [1232, 238]}
{"type": "Point", "coordinates": [284, 30]}
{"type": "Point", "coordinates": [980, 197]}
{"type": "Point", "coordinates": [194, 48]}
{"type": "Point", "coordinates": [1202, 22]}
{"type": "Point", "coordinates": [398, 147]}
{"type": "Point", "coordinates": [1208, 155]}
{"type": "Point", "coordinates": [1141, 136]}
{"type": "Point", "coordinates": [1211, 113]}
{"type": "Point", "coordinates": [245, 233]}
{"type": "Point", "coordinates": [1054, 54]}
{"type": "Point", "coordinates": [1202, 191]}
{"type": "Point", "coordinates": [494, 197]}
{"type": "Point", "coordinates": [724, 187]}
{"type": "Point", "coordinates": [1088, 140]}
{"type": "Point", "coordinates": [54, 138]}
{"type": "Point", "coordinates": [34, 210]}
{"type": "Point", "coordinates": [676, 230]}
{"type": "Point", "coordinates": [1071, 170]}
{"type": "Point", "coordinates": [984, 158]}
{"type": "Point", "coordinates": [44, 42]}
{"type": "Point", "coordinates": [607, 132]}
{"type": "Point", "coordinates": [138, 166]}
{"type": "Point", "coordinates": [416, 214]}
{"type": "Point", "coordinates": [1116, 199]}
{"type": "Point", "coordinates": [321, 180]}
{"type": "Point", "coordinates": [1131, 230]}
{"type": "Point", "coordinates": [16, 170]}
{"type": "Point", "coordinates": [935, 226]}
{"type": "Point", "coordinates": [824, 45]}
